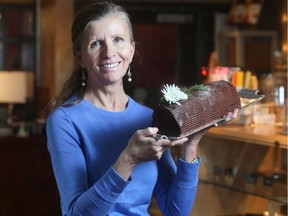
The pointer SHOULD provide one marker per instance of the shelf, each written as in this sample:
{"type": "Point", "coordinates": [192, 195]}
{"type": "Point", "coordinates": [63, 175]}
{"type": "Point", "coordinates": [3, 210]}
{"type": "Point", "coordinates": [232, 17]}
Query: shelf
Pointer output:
{"type": "Point", "coordinates": [281, 198]}
{"type": "Point", "coordinates": [17, 36]}
{"type": "Point", "coordinates": [249, 49]}
{"type": "Point", "coordinates": [268, 135]}
{"type": "Point", "coordinates": [246, 164]}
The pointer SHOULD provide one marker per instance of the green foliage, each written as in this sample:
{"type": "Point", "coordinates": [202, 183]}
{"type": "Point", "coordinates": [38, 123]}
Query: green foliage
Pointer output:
{"type": "Point", "coordinates": [195, 87]}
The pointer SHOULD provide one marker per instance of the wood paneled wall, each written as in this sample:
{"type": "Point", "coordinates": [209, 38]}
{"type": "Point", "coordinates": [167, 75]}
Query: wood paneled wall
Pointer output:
{"type": "Point", "coordinates": [55, 43]}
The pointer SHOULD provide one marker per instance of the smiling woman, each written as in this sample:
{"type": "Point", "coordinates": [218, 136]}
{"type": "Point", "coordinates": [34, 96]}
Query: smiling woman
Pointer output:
{"type": "Point", "coordinates": [101, 143]}
{"type": "Point", "coordinates": [104, 152]}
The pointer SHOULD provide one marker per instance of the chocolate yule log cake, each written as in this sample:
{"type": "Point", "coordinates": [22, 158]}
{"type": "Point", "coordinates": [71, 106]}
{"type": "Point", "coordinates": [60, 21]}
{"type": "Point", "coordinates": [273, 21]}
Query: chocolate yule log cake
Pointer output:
{"type": "Point", "coordinates": [185, 111]}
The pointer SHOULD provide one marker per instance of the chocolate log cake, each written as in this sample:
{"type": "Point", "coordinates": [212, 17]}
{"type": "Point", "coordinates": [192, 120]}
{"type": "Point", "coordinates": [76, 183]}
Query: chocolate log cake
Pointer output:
{"type": "Point", "coordinates": [203, 107]}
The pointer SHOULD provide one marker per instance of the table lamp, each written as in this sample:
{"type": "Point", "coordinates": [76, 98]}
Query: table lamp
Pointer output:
{"type": "Point", "coordinates": [15, 88]}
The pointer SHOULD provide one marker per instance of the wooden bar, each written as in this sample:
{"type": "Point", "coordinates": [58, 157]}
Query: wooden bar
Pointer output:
{"type": "Point", "coordinates": [27, 183]}
{"type": "Point", "coordinates": [244, 150]}
{"type": "Point", "coordinates": [262, 134]}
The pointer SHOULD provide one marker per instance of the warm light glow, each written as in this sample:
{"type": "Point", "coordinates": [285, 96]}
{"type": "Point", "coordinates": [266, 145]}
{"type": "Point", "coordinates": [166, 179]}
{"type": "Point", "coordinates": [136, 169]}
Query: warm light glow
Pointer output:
{"type": "Point", "coordinates": [284, 47]}
{"type": "Point", "coordinates": [284, 18]}
{"type": "Point", "coordinates": [15, 86]}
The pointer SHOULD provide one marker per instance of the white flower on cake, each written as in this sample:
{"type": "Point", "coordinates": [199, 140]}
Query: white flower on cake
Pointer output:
{"type": "Point", "coordinates": [173, 94]}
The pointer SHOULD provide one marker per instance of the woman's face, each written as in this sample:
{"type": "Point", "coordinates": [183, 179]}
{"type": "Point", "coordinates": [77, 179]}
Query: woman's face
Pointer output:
{"type": "Point", "coordinates": [106, 50]}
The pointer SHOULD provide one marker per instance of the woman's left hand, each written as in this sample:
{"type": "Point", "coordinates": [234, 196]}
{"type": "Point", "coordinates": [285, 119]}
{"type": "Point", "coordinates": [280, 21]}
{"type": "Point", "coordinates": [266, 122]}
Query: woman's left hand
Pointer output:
{"type": "Point", "coordinates": [231, 115]}
{"type": "Point", "coordinates": [189, 150]}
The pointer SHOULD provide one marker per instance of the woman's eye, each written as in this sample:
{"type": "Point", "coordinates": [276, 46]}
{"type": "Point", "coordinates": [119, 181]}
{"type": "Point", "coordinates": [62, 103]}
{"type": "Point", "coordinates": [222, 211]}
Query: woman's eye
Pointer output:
{"type": "Point", "coordinates": [118, 39]}
{"type": "Point", "coordinates": [94, 44]}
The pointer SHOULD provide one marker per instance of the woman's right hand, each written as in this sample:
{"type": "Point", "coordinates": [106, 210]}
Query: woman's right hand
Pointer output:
{"type": "Point", "coordinates": [142, 147]}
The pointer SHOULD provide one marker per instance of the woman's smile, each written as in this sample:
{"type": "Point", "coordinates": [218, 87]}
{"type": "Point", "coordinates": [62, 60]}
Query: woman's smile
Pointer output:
{"type": "Point", "coordinates": [111, 65]}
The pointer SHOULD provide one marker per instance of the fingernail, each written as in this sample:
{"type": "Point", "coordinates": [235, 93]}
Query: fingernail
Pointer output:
{"type": "Point", "coordinates": [154, 129]}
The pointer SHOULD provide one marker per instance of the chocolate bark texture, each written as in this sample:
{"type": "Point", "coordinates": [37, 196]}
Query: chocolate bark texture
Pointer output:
{"type": "Point", "coordinates": [203, 107]}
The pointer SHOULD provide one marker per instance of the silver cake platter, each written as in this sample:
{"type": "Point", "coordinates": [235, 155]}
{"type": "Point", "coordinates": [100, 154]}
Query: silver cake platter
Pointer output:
{"type": "Point", "coordinates": [248, 97]}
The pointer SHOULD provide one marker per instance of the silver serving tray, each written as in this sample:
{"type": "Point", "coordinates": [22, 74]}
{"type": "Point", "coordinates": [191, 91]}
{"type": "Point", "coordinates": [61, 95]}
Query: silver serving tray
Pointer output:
{"type": "Point", "coordinates": [248, 97]}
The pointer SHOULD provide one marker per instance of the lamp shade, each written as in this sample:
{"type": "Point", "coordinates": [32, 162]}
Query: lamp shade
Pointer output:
{"type": "Point", "coordinates": [14, 86]}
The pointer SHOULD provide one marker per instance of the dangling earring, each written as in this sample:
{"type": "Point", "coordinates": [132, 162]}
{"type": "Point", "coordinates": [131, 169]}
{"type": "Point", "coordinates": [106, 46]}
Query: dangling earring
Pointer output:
{"type": "Point", "coordinates": [129, 74]}
{"type": "Point", "coordinates": [83, 78]}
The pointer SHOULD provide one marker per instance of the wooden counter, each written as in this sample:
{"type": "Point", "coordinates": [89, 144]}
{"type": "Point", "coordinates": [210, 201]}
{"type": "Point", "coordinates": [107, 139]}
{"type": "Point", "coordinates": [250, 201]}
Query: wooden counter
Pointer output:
{"type": "Point", "coordinates": [262, 134]}
{"type": "Point", "coordinates": [27, 183]}
{"type": "Point", "coordinates": [241, 150]}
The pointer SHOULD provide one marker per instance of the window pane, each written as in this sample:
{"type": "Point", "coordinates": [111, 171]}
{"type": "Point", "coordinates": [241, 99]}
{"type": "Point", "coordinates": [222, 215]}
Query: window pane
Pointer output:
{"type": "Point", "coordinates": [27, 22]}
{"type": "Point", "coordinates": [27, 57]}
{"type": "Point", "coordinates": [1, 25]}
{"type": "Point", "coordinates": [17, 37]}
{"type": "Point", "coordinates": [12, 22]}
{"type": "Point", "coordinates": [12, 56]}
{"type": "Point", "coordinates": [1, 39]}
{"type": "Point", "coordinates": [1, 56]}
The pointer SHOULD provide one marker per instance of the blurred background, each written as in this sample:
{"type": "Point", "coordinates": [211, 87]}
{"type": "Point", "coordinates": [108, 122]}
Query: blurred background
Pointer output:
{"type": "Point", "coordinates": [178, 41]}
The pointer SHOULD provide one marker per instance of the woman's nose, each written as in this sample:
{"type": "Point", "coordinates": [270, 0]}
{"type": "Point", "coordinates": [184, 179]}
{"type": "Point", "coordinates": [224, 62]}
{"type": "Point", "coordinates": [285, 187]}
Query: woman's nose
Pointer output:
{"type": "Point", "coordinates": [108, 50]}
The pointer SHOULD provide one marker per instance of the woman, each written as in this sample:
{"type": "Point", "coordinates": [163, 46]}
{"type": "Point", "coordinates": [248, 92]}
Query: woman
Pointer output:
{"type": "Point", "coordinates": [104, 156]}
